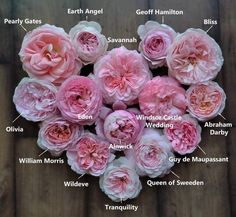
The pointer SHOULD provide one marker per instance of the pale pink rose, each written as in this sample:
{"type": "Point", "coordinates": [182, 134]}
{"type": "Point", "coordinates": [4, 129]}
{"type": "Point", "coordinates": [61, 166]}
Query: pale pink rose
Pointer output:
{"type": "Point", "coordinates": [151, 154]}
{"type": "Point", "coordinates": [35, 100]}
{"type": "Point", "coordinates": [162, 96]}
{"type": "Point", "coordinates": [155, 40]}
{"type": "Point", "coordinates": [90, 44]}
{"type": "Point", "coordinates": [185, 135]}
{"type": "Point", "coordinates": [79, 100]}
{"type": "Point", "coordinates": [121, 74]}
{"type": "Point", "coordinates": [120, 181]}
{"type": "Point", "coordinates": [205, 100]}
{"type": "Point", "coordinates": [48, 54]}
{"type": "Point", "coordinates": [90, 154]}
{"type": "Point", "coordinates": [57, 134]}
{"type": "Point", "coordinates": [194, 57]}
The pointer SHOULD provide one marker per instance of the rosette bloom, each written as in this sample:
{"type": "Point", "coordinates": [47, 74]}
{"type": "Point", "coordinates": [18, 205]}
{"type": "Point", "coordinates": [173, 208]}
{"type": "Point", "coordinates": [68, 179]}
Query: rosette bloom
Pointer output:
{"type": "Point", "coordinates": [35, 100]}
{"type": "Point", "coordinates": [79, 100]}
{"type": "Point", "coordinates": [121, 74]}
{"type": "Point", "coordinates": [90, 44]}
{"type": "Point", "coordinates": [194, 57]}
{"type": "Point", "coordinates": [90, 154]}
{"type": "Point", "coordinates": [185, 135]}
{"type": "Point", "coordinates": [48, 54]}
{"type": "Point", "coordinates": [205, 100]}
{"type": "Point", "coordinates": [120, 181]}
{"type": "Point", "coordinates": [155, 40]}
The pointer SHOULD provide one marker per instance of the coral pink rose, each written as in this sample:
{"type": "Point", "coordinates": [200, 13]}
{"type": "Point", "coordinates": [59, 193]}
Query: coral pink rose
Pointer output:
{"type": "Point", "coordinates": [90, 44]}
{"type": "Point", "coordinates": [35, 100]}
{"type": "Point", "coordinates": [185, 135]}
{"type": "Point", "coordinates": [205, 100]}
{"type": "Point", "coordinates": [79, 100]}
{"type": "Point", "coordinates": [48, 54]}
{"type": "Point", "coordinates": [120, 181]}
{"type": "Point", "coordinates": [194, 57]}
{"type": "Point", "coordinates": [156, 39]}
{"type": "Point", "coordinates": [121, 74]}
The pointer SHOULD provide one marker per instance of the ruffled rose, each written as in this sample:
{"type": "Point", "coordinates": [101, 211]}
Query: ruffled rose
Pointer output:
{"type": "Point", "coordinates": [185, 135]}
{"type": "Point", "coordinates": [121, 74]}
{"type": "Point", "coordinates": [156, 39]}
{"type": "Point", "coordinates": [194, 57]}
{"type": "Point", "coordinates": [48, 54]}
{"type": "Point", "coordinates": [89, 155]}
{"type": "Point", "coordinates": [79, 100]}
{"type": "Point", "coordinates": [205, 100]}
{"type": "Point", "coordinates": [90, 44]}
{"type": "Point", "coordinates": [35, 100]}
{"type": "Point", "coordinates": [120, 181]}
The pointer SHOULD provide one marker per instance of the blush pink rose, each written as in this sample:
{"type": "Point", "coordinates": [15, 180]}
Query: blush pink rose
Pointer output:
{"type": "Point", "coordinates": [194, 57]}
{"type": "Point", "coordinates": [90, 44]}
{"type": "Point", "coordinates": [120, 181]}
{"type": "Point", "coordinates": [90, 154]}
{"type": "Point", "coordinates": [79, 100]}
{"type": "Point", "coordinates": [35, 100]}
{"type": "Point", "coordinates": [48, 54]}
{"type": "Point", "coordinates": [205, 100]}
{"type": "Point", "coordinates": [121, 74]}
{"type": "Point", "coordinates": [155, 40]}
{"type": "Point", "coordinates": [185, 135]}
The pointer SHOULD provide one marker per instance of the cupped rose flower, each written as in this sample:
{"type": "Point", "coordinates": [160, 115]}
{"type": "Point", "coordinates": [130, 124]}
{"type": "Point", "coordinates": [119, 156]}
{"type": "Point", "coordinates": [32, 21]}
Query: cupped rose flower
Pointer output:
{"type": "Point", "coordinates": [90, 154]}
{"type": "Point", "coordinates": [205, 100]}
{"type": "Point", "coordinates": [35, 100]}
{"type": "Point", "coordinates": [90, 44]}
{"type": "Point", "coordinates": [48, 54]}
{"type": "Point", "coordinates": [121, 74]}
{"type": "Point", "coordinates": [194, 57]}
{"type": "Point", "coordinates": [151, 154]}
{"type": "Point", "coordinates": [185, 135]}
{"type": "Point", "coordinates": [120, 180]}
{"type": "Point", "coordinates": [79, 100]}
{"type": "Point", "coordinates": [155, 40]}
{"type": "Point", "coordinates": [57, 134]}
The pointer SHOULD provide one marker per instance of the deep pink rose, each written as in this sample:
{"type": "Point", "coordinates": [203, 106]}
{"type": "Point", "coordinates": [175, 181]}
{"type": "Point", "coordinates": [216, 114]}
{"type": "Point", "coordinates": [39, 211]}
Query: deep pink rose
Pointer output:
{"type": "Point", "coordinates": [194, 57]}
{"type": "Point", "coordinates": [48, 54]}
{"type": "Point", "coordinates": [35, 100]}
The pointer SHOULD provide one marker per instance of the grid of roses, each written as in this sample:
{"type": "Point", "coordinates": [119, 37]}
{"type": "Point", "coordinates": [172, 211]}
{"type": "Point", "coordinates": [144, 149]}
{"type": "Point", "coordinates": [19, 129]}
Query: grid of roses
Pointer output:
{"type": "Point", "coordinates": [57, 96]}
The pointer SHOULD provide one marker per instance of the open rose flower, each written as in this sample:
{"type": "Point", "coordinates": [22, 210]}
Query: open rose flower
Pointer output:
{"type": "Point", "coordinates": [185, 135]}
{"type": "Point", "coordinates": [35, 100]}
{"type": "Point", "coordinates": [90, 44]}
{"type": "Point", "coordinates": [120, 181]}
{"type": "Point", "coordinates": [205, 100]}
{"type": "Point", "coordinates": [79, 100]}
{"type": "Point", "coordinates": [90, 154]}
{"type": "Point", "coordinates": [155, 40]}
{"type": "Point", "coordinates": [48, 54]}
{"type": "Point", "coordinates": [121, 74]}
{"type": "Point", "coordinates": [194, 57]}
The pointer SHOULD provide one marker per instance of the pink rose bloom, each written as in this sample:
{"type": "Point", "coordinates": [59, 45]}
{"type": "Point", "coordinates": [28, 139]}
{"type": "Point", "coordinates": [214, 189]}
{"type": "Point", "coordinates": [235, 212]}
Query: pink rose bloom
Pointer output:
{"type": "Point", "coordinates": [194, 57]}
{"type": "Point", "coordinates": [205, 100]}
{"type": "Point", "coordinates": [155, 40]}
{"type": "Point", "coordinates": [121, 74]}
{"type": "Point", "coordinates": [90, 154]}
{"type": "Point", "coordinates": [185, 135]}
{"type": "Point", "coordinates": [35, 100]}
{"type": "Point", "coordinates": [162, 96]}
{"type": "Point", "coordinates": [90, 44]}
{"type": "Point", "coordinates": [48, 54]}
{"type": "Point", "coordinates": [57, 134]}
{"type": "Point", "coordinates": [120, 181]}
{"type": "Point", "coordinates": [151, 154]}
{"type": "Point", "coordinates": [79, 100]}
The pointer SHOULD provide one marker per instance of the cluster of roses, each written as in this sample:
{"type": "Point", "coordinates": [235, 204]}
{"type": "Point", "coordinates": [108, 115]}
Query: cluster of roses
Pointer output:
{"type": "Point", "coordinates": [120, 89]}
